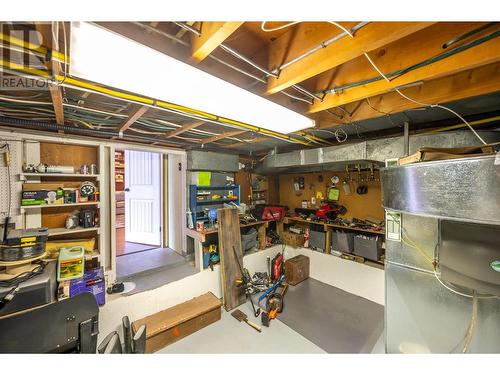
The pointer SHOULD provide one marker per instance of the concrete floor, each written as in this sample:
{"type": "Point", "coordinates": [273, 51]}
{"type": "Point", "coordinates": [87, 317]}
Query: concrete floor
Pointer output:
{"type": "Point", "coordinates": [137, 263]}
{"type": "Point", "coordinates": [231, 336]}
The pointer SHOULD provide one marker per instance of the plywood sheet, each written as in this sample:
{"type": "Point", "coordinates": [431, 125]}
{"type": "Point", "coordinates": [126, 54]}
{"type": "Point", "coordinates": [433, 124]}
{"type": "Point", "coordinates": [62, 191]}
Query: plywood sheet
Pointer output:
{"type": "Point", "coordinates": [229, 237]}
{"type": "Point", "coordinates": [358, 206]}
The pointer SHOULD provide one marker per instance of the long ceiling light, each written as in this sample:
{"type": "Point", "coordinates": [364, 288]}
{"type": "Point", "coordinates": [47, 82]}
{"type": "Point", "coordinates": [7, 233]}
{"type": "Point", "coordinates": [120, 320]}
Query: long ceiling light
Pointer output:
{"type": "Point", "coordinates": [104, 57]}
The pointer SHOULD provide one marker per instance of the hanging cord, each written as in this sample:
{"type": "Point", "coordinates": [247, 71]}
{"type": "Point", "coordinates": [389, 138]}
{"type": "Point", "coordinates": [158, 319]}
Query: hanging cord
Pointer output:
{"type": "Point", "coordinates": [264, 28]}
{"type": "Point", "coordinates": [405, 96]}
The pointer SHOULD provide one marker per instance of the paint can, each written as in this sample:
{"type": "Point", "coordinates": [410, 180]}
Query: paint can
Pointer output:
{"type": "Point", "coordinates": [93, 169]}
{"type": "Point", "coordinates": [84, 169]}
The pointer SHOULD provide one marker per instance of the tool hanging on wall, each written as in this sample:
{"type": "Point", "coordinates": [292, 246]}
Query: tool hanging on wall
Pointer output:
{"type": "Point", "coordinates": [346, 183]}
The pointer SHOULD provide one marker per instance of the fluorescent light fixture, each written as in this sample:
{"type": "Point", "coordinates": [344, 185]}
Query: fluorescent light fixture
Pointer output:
{"type": "Point", "coordinates": [105, 57]}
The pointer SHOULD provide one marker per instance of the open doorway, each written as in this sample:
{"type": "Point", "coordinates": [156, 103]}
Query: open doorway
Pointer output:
{"type": "Point", "coordinates": [143, 240]}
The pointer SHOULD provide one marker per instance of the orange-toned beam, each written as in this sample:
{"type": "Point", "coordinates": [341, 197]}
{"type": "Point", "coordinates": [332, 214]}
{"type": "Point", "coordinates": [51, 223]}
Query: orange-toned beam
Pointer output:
{"type": "Point", "coordinates": [184, 128]}
{"type": "Point", "coordinates": [45, 38]}
{"type": "Point", "coordinates": [480, 55]}
{"type": "Point", "coordinates": [218, 137]}
{"type": "Point", "coordinates": [212, 35]}
{"type": "Point", "coordinates": [133, 118]}
{"type": "Point", "coordinates": [370, 37]}
{"type": "Point", "coordinates": [475, 82]}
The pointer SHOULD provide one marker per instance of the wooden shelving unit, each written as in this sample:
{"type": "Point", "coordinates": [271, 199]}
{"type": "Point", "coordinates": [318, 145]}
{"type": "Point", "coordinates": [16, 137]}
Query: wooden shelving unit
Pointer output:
{"type": "Point", "coordinates": [53, 216]}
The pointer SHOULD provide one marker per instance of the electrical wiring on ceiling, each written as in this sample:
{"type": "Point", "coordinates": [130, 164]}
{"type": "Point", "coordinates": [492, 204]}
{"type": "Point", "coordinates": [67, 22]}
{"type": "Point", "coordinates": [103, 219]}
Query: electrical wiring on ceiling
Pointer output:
{"type": "Point", "coordinates": [408, 98]}
{"type": "Point", "coordinates": [268, 30]}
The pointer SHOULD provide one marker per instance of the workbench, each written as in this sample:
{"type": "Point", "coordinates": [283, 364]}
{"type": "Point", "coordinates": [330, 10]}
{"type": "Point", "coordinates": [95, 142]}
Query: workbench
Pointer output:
{"type": "Point", "coordinates": [328, 228]}
{"type": "Point", "coordinates": [200, 237]}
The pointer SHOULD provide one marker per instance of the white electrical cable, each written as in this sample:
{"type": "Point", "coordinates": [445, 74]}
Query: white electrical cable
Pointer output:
{"type": "Point", "coordinates": [405, 96]}
{"type": "Point", "coordinates": [263, 26]}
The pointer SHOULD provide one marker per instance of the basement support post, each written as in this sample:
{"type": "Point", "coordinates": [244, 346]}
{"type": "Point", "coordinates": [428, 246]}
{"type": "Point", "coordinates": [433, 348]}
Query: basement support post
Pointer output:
{"type": "Point", "coordinates": [406, 138]}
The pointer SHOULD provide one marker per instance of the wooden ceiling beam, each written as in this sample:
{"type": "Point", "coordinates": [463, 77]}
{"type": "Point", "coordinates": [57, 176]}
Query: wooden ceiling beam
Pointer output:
{"type": "Point", "coordinates": [133, 118]}
{"type": "Point", "coordinates": [45, 39]}
{"type": "Point", "coordinates": [250, 141]}
{"type": "Point", "coordinates": [184, 128]}
{"type": "Point", "coordinates": [476, 82]}
{"type": "Point", "coordinates": [218, 137]}
{"type": "Point", "coordinates": [483, 54]}
{"type": "Point", "coordinates": [212, 35]}
{"type": "Point", "coordinates": [370, 37]}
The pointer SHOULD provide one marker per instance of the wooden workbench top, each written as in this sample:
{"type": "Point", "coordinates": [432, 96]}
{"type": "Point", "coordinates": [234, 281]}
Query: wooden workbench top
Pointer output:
{"type": "Point", "coordinates": [288, 219]}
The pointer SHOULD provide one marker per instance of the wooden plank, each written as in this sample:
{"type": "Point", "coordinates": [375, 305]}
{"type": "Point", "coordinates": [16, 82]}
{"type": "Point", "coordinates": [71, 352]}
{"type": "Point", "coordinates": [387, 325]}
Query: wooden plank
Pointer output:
{"type": "Point", "coordinates": [475, 82]}
{"type": "Point", "coordinates": [57, 103]}
{"type": "Point", "coordinates": [178, 314]}
{"type": "Point", "coordinates": [328, 240]}
{"type": "Point", "coordinates": [133, 118]}
{"type": "Point", "coordinates": [254, 140]}
{"type": "Point", "coordinates": [370, 37]}
{"type": "Point", "coordinates": [473, 58]}
{"type": "Point", "coordinates": [184, 128]}
{"type": "Point", "coordinates": [218, 137]}
{"type": "Point", "coordinates": [262, 235]}
{"type": "Point", "coordinates": [212, 35]}
{"type": "Point", "coordinates": [229, 237]}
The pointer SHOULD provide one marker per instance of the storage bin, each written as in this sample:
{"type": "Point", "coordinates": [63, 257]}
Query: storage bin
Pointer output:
{"type": "Point", "coordinates": [343, 241]}
{"type": "Point", "coordinates": [369, 247]}
{"type": "Point", "coordinates": [317, 240]}
{"type": "Point", "coordinates": [249, 240]}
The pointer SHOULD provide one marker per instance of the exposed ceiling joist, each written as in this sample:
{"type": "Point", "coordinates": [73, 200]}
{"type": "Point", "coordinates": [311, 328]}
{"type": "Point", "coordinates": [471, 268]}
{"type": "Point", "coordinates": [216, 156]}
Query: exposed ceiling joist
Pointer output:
{"type": "Point", "coordinates": [184, 128]}
{"type": "Point", "coordinates": [250, 141]}
{"type": "Point", "coordinates": [212, 35]}
{"type": "Point", "coordinates": [480, 81]}
{"type": "Point", "coordinates": [46, 39]}
{"type": "Point", "coordinates": [218, 137]}
{"type": "Point", "coordinates": [370, 37]}
{"type": "Point", "coordinates": [483, 54]}
{"type": "Point", "coordinates": [133, 118]}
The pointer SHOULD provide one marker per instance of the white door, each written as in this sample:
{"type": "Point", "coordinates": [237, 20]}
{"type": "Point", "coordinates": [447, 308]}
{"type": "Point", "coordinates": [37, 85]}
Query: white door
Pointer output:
{"type": "Point", "coordinates": [142, 197]}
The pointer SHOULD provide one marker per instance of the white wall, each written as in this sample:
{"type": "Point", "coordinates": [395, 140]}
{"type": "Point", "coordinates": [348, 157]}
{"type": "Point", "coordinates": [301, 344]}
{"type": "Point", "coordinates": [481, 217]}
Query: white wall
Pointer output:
{"type": "Point", "coordinates": [356, 278]}
{"type": "Point", "coordinates": [177, 203]}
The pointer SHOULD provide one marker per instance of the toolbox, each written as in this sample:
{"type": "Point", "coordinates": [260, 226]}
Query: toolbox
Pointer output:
{"type": "Point", "coordinates": [343, 241]}
{"type": "Point", "coordinates": [22, 244]}
{"type": "Point", "coordinates": [369, 247]}
{"type": "Point", "coordinates": [296, 269]}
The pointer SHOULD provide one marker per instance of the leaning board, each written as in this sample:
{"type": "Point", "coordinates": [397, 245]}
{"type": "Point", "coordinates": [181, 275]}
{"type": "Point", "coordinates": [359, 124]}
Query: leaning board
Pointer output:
{"type": "Point", "coordinates": [229, 236]}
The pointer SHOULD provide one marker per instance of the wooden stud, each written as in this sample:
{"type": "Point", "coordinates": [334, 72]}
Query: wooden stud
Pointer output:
{"type": "Point", "coordinates": [212, 35]}
{"type": "Point", "coordinates": [262, 235]}
{"type": "Point", "coordinates": [254, 140]}
{"type": "Point", "coordinates": [370, 37]}
{"type": "Point", "coordinates": [474, 82]}
{"type": "Point", "coordinates": [483, 54]}
{"type": "Point", "coordinates": [218, 137]}
{"type": "Point", "coordinates": [328, 240]}
{"type": "Point", "coordinates": [184, 128]}
{"type": "Point", "coordinates": [133, 118]}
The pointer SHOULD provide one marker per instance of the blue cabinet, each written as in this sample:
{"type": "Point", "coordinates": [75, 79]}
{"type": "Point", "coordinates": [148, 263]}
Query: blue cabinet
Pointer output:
{"type": "Point", "coordinates": [200, 199]}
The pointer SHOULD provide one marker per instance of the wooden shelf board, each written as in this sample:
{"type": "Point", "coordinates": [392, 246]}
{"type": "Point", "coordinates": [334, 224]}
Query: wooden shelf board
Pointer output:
{"type": "Point", "coordinates": [60, 205]}
{"type": "Point", "coordinates": [76, 175]}
{"type": "Point", "coordinates": [62, 231]}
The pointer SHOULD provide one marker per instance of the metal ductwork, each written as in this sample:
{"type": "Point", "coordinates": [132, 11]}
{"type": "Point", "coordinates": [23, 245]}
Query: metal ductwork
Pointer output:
{"type": "Point", "coordinates": [335, 158]}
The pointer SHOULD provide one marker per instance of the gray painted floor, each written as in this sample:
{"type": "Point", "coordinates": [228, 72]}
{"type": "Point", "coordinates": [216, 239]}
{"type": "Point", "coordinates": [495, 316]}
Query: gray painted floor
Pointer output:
{"type": "Point", "coordinates": [157, 278]}
{"type": "Point", "coordinates": [335, 320]}
{"type": "Point", "coordinates": [143, 261]}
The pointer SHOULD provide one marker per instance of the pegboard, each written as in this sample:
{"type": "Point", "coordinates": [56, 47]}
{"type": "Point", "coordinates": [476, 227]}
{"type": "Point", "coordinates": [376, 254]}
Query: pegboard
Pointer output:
{"type": "Point", "coordinates": [16, 150]}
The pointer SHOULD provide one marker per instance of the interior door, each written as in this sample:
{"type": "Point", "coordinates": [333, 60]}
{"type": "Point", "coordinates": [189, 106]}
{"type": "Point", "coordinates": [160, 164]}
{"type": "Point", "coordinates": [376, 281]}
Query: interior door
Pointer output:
{"type": "Point", "coordinates": [143, 197]}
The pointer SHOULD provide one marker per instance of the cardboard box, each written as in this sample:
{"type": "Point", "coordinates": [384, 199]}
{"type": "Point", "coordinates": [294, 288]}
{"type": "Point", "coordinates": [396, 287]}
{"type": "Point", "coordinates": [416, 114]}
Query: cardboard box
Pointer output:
{"type": "Point", "coordinates": [92, 281]}
{"type": "Point", "coordinates": [293, 239]}
{"type": "Point", "coordinates": [177, 322]}
{"type": "Point", "coordinates": [297, 269]}
{"type": "Point", "coordinates": [42, 193]}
